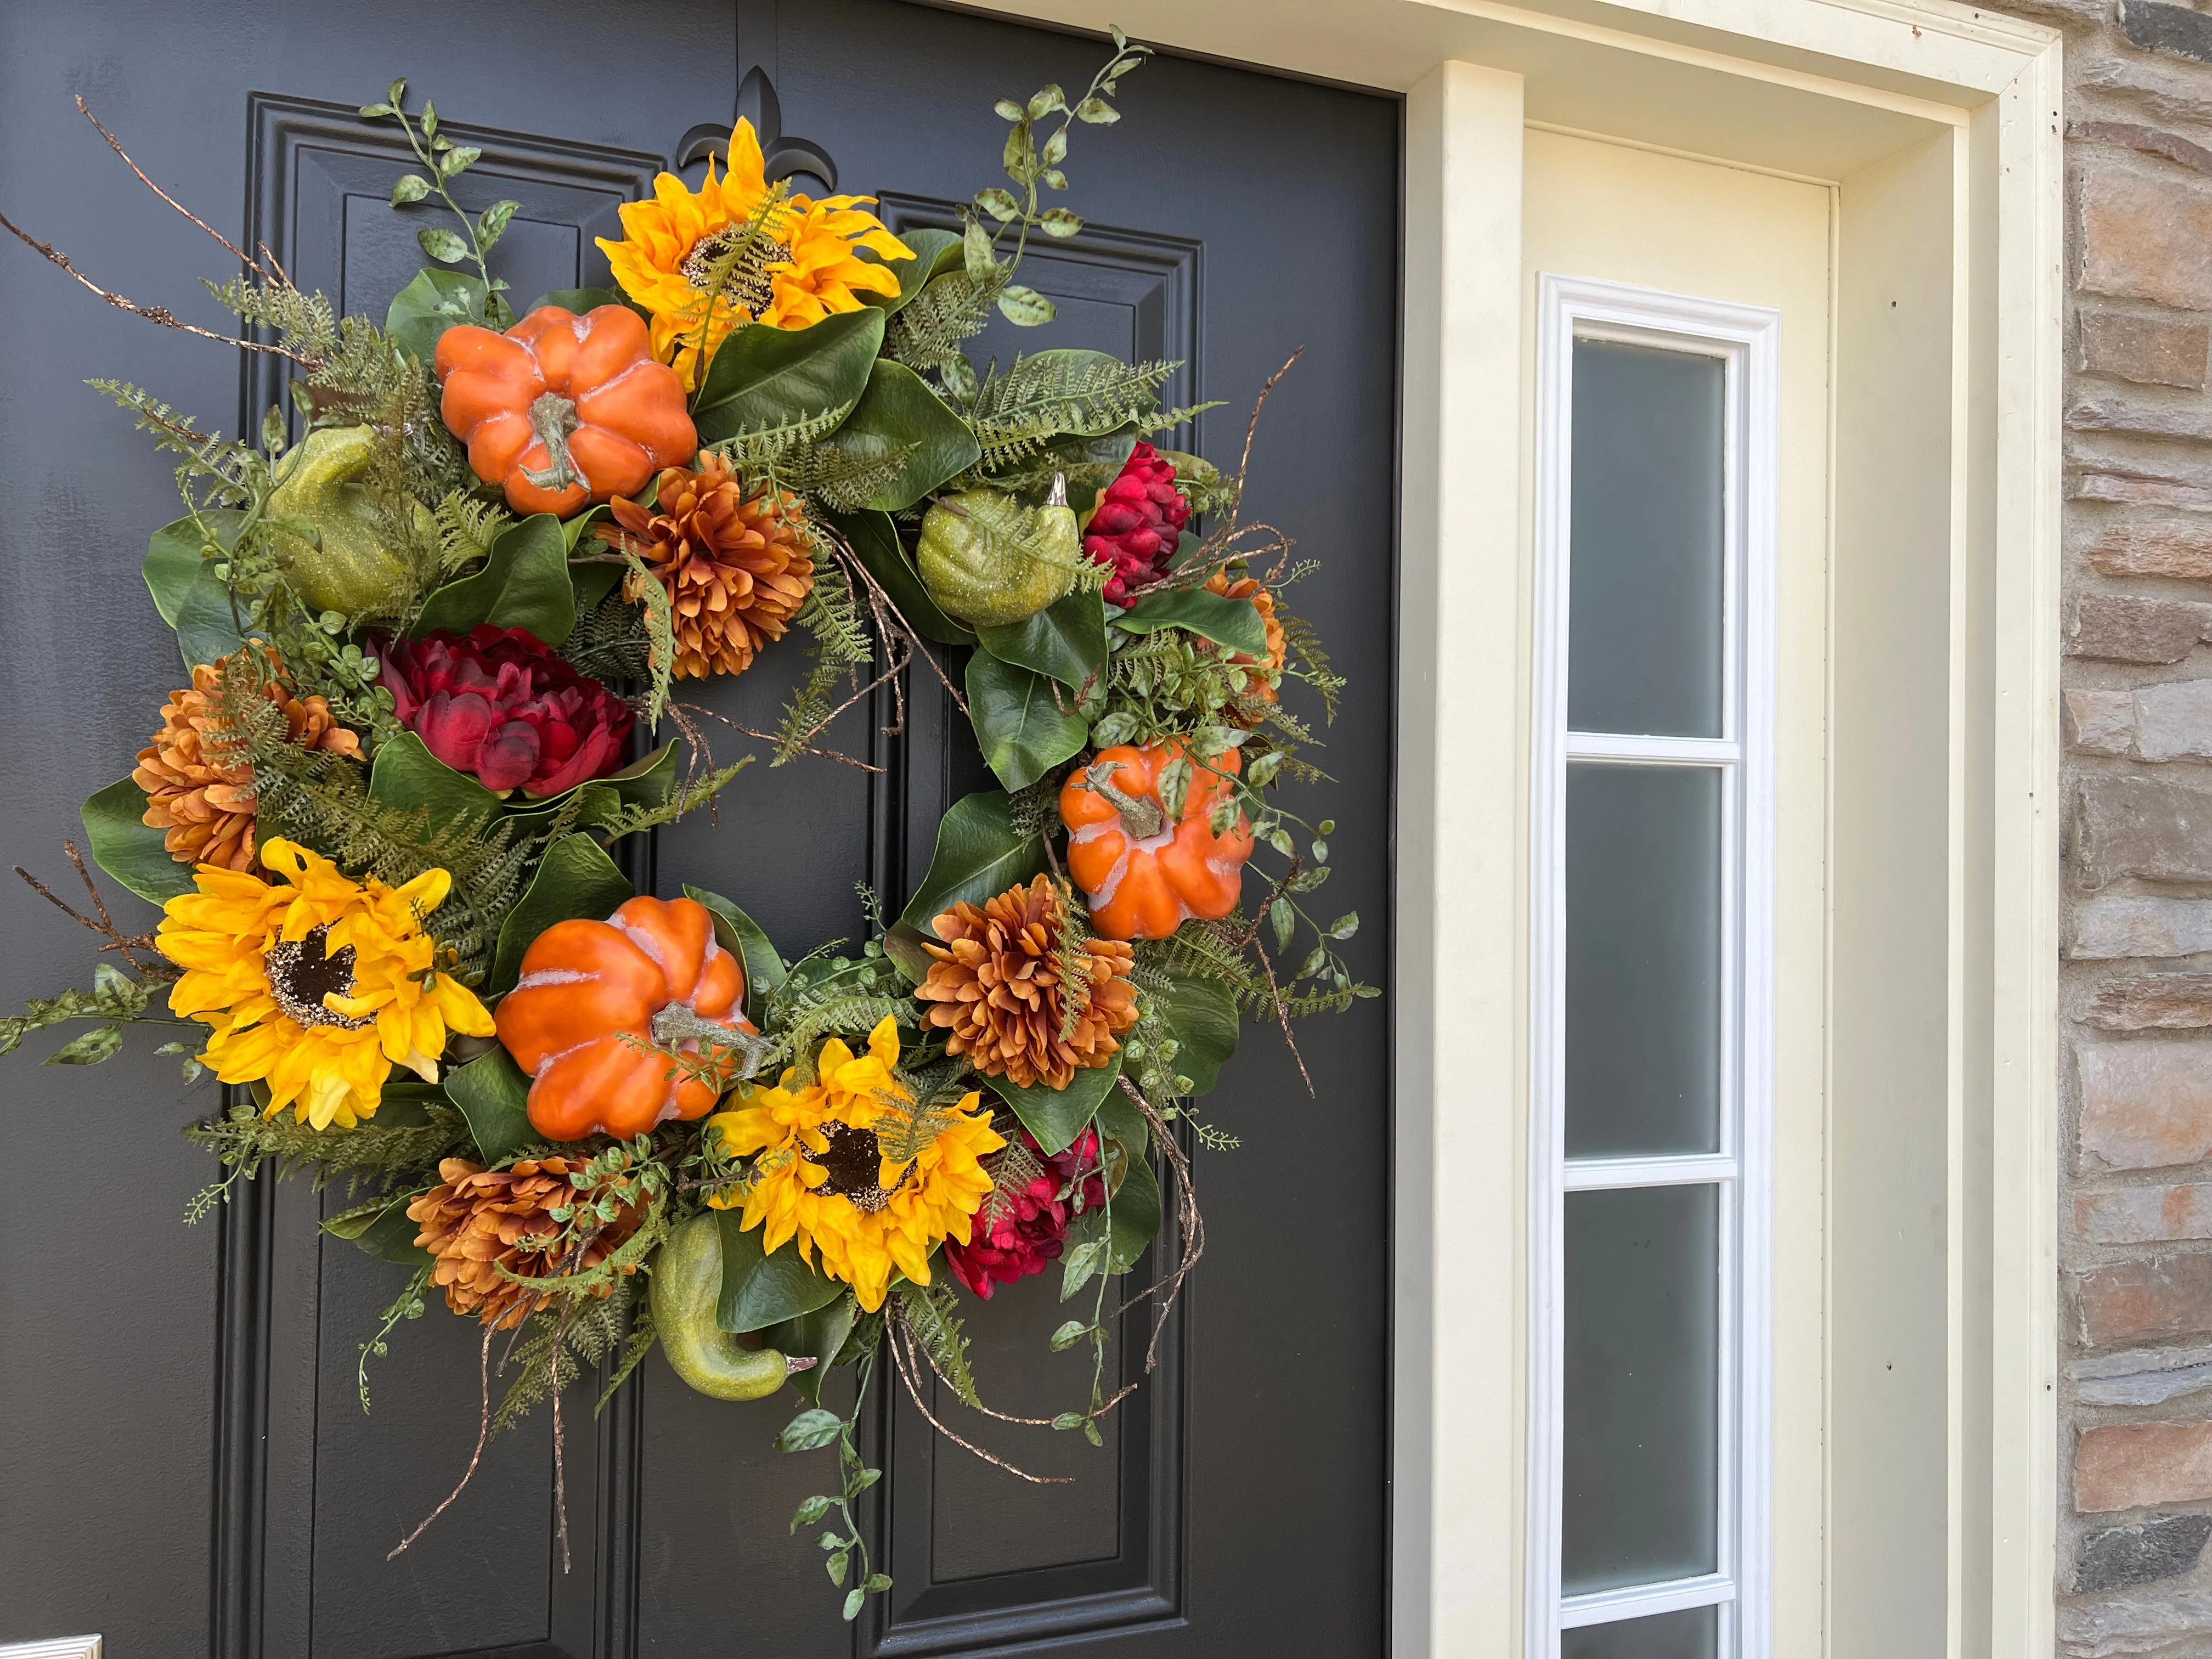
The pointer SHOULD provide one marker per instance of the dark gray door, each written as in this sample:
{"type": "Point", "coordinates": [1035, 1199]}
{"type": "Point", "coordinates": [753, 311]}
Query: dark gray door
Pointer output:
{"type": "Point", "coordinates": [184, 1462]}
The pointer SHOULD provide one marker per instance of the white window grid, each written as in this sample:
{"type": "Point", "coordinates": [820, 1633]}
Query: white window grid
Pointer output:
{"type": "Point", "coordinates": [1748, 341]}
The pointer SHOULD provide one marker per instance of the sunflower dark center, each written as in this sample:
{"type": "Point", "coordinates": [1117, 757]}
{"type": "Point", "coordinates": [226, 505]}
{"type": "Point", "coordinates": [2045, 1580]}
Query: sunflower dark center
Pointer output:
{"type": "Point", "coordinates": [748, 284]}
{"type": "Point", "coordinates": [301, 975]}
{"type": "Point", "coordinates": [854, 1163]}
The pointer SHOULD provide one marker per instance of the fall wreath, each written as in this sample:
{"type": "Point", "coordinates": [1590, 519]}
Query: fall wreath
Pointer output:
{"type": "Point", "coordinates": [434, 622]}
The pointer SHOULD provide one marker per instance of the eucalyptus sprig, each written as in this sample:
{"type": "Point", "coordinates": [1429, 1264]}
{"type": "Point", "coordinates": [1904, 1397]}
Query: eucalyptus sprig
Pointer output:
{"type": "Point", "coordinates": [445, 160]}
{"type": "Point", "coordinates": [1028, 164]}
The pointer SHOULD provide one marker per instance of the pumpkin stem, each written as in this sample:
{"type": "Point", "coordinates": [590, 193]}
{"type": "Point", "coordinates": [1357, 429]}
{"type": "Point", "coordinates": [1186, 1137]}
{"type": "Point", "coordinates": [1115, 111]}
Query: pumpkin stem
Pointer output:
{"type": "Point", "coordinates": [678, 1022]}
{"type": "Point", "coordinates": [1142, 817]}
{"type": "Point", "coordinates": [553, 418]}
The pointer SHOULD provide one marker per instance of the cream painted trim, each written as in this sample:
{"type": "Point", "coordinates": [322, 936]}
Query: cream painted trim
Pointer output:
{"type": "Point", "coordinates": [59, 1647]}
{"type": "Point", "coordinates": [1460, 1048]}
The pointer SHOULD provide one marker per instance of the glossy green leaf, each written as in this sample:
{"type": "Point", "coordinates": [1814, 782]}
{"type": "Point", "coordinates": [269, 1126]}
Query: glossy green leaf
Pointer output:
{"type": "Point", "coordinates": [762, 377]}
{"type": "Point", "coordinates": [978, 856]}
{"type": "Point", "coordinates": [391, 1237]}
{"type": "Point", "coordinates": [1056, 1117]}
{"type": "Point", "coordinates": [524, 583]}
{"type": "Point", "coordinates": [759, 1291]}
{"type": "Point", "coordinates": [1233, 623]}
{"type": "Point", "coordinates": [875, 538]}
{"type": "Point", "coordinates": [434, 302]}
{"type": "Point", "coordinates": [898, 411]}
{"type": "Point", "coordinates": [744, 939]}
{"type": "Point", "coordinates": [1065, 641]}
{"type": "Point", "coordinates": [817, 1336]}
{"type": "Point", "coordinates": [190, 596]}
{"type": "Point", "coordinates": [935, 251]}
{"type": "Point", "coordinates": [494, 1094]}
{"type": "Point", "coordinates": [647, 782]}
{"type": "Point", "coordinates": [1025, 724]}
{"type": "Point", "coordinates": [129, 848]}
{"type": "Point", "coordinates": [1204, 1021]}
{"type": "Point", "coordinates": [575, 879]}
{"type": "Point", "coordinates": [406, 774]}
{"type": "Point", "coordinates": [903, 945]}
{"type": "Point", "coordinates": [1136, 1214]}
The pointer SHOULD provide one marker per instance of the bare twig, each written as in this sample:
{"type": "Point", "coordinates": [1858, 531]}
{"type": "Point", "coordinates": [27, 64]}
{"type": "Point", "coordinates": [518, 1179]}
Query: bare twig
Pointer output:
{"type": "Point", "coordinates": [902, 1361]}
{"type": "Point", "coordinates": [160, 315]}
{"type": "Point", "coordinates": [1252, 429]}
{"type": "Point", "coordinates": [1282, 1016]}
{"type": "Point", "coordinates": [1189, 1223]}
{"type": "Point", "coordinates": [115, 144]}
{"type": "Point", "coordinates": [680, 712]}
{"type": "Point", "coordinates": [126, 944]}
{"type": "Point", "coordinates": [484, 1433]}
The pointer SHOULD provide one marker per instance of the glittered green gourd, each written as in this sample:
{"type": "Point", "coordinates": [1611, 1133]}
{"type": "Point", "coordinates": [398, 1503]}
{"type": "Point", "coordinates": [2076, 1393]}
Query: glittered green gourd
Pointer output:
{"type": "Point", "coordinates": [323, 482]}
{"type": "Point", "coordinates": [687, 1283]}
{"type": "Point", "coordinates": [989, 561]}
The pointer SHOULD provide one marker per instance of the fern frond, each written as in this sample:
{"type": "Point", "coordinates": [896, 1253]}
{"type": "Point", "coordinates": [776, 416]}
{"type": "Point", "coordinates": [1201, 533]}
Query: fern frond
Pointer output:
{"type": "Point", "coordinates": [928, 334]}
{"type": "Point", "coordinates": [931, 1315]}
{"type": "Point", "coordinates": [630, 819]}
{"type": "Point", "coordinates": [609, 641]}
{"type": "Point", "coordinates": [660, 629]}
{"type": "Point", "coordinates": [466, 526]}
{"type": "Point", "coordinates": [1040, 398]}
{"type": "Point", "coordinates": [244, 1140]}
{"type": "Point", "coordinates": [233, 468]}
{"type": "Point", "coordinates": [305, 324]}
{"type": "Point", "coordinates": [1303, 648]}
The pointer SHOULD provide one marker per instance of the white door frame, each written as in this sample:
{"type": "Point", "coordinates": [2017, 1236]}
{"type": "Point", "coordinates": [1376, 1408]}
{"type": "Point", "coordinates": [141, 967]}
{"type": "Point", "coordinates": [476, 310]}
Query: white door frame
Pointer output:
{"type": "Point", "coordinates": [1965, 104]}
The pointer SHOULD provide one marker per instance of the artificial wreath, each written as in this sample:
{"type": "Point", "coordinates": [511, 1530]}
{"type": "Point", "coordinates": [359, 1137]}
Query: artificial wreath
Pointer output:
{"type": "Point", "coordinates": [430, 641]}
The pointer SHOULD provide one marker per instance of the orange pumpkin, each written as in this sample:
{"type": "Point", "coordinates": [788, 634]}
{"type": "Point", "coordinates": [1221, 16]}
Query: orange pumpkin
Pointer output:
{"type": "Point", "coordinates": [1142, 873]}
{"type": "Point", "coordinates": [564, 411]}
{"type": "Point", "coordinates": [653, 972]}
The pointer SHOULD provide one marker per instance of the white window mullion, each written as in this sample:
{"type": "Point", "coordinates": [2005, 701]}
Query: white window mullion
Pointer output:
{"type": "Point", "coordinates": [1740, 755]}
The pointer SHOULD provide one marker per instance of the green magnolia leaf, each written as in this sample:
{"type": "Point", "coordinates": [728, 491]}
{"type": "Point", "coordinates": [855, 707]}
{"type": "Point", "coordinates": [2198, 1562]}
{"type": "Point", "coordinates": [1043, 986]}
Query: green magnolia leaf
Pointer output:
{"type": "Point", "coordinates": [434, 302]}
{"type": "Point", "coordinates": [1056, 1117]}
{"type": "Point", "coordinates": [494, 1094]}
{"type": "Point", "coordinates": [759, 1291]}
{"type": "Point", "coordinates": [388, 1235]}
{"type": "Point", "coordinates": [409, 187]}
{"type": "Point", "coordinates": [101, 1043]}
{"type": "Point", "coordinates": [762, 377]}
{"type": "Point", "coordinates": [444, 245]}
{"type": "Point", "coordinates": [647, 782]}
{"type": "Point", "coordinates": [910, 954]}
{"type": "Point", "coordinates": [129, 848]}
{"type": "Point", "coordinates": [743, 938]}
{"type": "Point", "coordinates": [1136, 1214]}
{"type": "Point", "coordinates": [575, 879]}
{"type": "Point", "coordinates": [1066, 640]}
{"type": "Point", "coordinates": [817, 1336]}
{"type": "Point", "coordinates": [935, 253]}
{"type": "Point", "coordinates": [190, 596]}
{"type": "Point", "coordinates": [1233, 623]}
{"type": "Point", "coordinates": [524, 583]}
{"type": "Point", "coordinates": [406, 774]}
{"type": "Point", "coordinates": [1203, 1017]}
{"type": "Point", "coordinates": [1023, 721]}
{"type": "Point", "coordinates": [978, 857]}
{"type": "Point", "coordinates": [898, 411]}
{"type": "Point", "coordinates": [874, 537]}
{"type": "Point", "coordinates": [1025, 307]}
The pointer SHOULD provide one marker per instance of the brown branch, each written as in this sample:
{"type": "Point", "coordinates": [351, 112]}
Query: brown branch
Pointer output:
{"type": "Point", "coordinates": [1190, 1225]}
{"type": "Point", "coordinates": [1282, 1016]}
{"type": "Point", "coordinates": [484, 1433]}
{"type": "Point", "coordinates": [690, 732]}
{"type": "Point", "coordinates": [115, 144]}
{"type": "Point", "coordinates": [105, 926]}
{"type": "Point", "coordinates": [1252, 429]}
{"type": "Point", "coordinates": [900, 1362]}
{"type": "Point", "coordinates": [160, 315]}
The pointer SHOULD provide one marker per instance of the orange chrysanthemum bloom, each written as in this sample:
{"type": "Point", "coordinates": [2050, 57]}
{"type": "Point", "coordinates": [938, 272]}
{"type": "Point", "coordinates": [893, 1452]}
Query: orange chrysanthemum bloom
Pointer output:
{"type": "Point", "coordinates": [812, 265]}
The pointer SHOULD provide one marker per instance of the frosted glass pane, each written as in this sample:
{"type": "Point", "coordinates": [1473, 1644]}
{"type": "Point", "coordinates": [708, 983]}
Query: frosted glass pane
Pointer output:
{"type": "Point", "coordinates": [1643, 959]}
{"type": "Point", "coordinates": [1693, 1633]}
{"type": "Point", "coordinates": [1644, 630]}
{"type": "Point", "coordinates": [1643, 1377]}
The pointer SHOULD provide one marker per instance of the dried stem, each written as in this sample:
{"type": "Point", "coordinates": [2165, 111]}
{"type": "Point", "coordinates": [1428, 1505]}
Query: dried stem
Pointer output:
{"type": "Point", "coordinates": [1251, 430]}
{"type": "Point", "coordinates": [126, 944]}
{"type": "Point", "coordinates": [484, 1433]}
{"type": "Point", "coordinates": [1189, 1223]}
{"type": "Point", "coordinates": [1282, 1016]}
{"type": "Point", "coordinates": [904, 1365]}
{"type": "Point", "coordinates": [115, 144]}
{"type": "Point", "coordinates": [160, 315]}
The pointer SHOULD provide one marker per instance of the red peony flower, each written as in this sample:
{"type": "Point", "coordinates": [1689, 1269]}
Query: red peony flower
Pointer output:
{"type": "Point", "coordinates": [1135, 524]}
{"type": "Point", "coordinates": [498, 704]}
{"type": "Point", "coordinates": [1017, 1233]}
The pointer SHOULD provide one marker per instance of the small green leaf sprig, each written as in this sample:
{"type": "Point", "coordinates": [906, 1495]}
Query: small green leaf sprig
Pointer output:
{"type": "Point", "coordinates": [444, 161]}
{"type": "Point", "coordinates": [1028, 164]}
{"type": "Point", "coordinates": [811, 1431]}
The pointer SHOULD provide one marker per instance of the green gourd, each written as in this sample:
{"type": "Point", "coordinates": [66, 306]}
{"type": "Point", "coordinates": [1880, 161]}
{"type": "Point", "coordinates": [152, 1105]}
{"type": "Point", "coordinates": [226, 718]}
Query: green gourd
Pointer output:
{"type": "Point", "coordinates": [989, 561]}
{"type": "Point", "coordinates": [687, 1283]}
{"type": "Point", "coordinates": [323, 482]}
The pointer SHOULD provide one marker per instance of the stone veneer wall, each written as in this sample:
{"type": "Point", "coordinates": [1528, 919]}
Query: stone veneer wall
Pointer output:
{"type": "Point", "coordinates": [2136, 987]}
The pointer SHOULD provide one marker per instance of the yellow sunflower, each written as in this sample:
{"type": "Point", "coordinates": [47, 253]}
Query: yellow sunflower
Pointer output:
{"type": "Point", "coordinates": [827, 1175]}
{"type": "Point", "coordinates": [812, 269]}
{"type": "Point", "coordinates": [316, 984]}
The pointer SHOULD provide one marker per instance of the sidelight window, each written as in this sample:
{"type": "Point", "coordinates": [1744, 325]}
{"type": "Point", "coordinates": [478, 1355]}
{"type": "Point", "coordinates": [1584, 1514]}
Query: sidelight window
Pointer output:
{"type": "Point", "coordinates": [1651, 860]}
